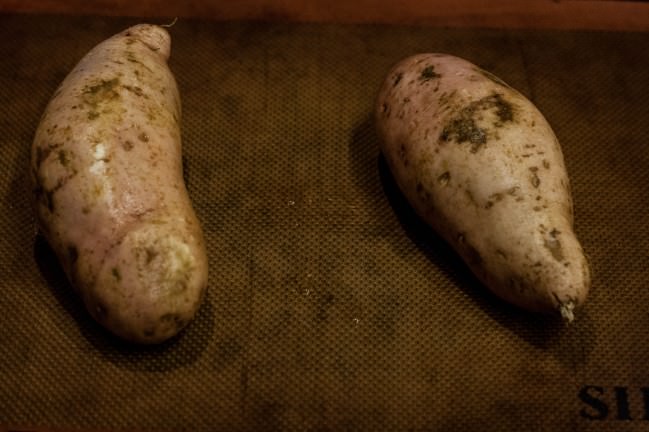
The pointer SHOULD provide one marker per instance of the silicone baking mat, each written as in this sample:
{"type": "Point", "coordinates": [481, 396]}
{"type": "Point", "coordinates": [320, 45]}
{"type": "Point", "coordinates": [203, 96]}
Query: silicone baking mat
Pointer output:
{"type": "Point", "coordinates": [331, 307]}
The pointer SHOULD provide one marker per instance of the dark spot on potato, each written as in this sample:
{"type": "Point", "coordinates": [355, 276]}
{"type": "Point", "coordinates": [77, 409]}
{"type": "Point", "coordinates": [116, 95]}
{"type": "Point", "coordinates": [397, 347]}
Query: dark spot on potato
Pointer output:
{"type": "Point", "coordinates": [134, 89]}
{"type": "Point", "coordinates": [47, 195]}
{"type": "Point", "coordinates": [428, 73]}
{"type": "Point", "coordinates": [173, 320]}
{"type": "Point", "coordinates": [444, 178]}
{"type": "Point", "coordinates": [397, 79]}
{"type": "Point", "coordinates": [116, 274]}
{"type": "Point", "coordinates": [151, 253]}
{"type": "Point", "coordinates": [403, 154]}
{"type": "Point", "coordinates": [102, 91]}
{"type": "Point", "coordinates": [517, 284]}
{"type": "Point", "coordinates": [464, 126]}
{"type": "Point", "coordinates": [92, 115]}
{"type": "Point", "coordinates": [127, 145]}
{"type": "Point", "coordinates": [553, 244]}
{"type": "Point", "coordinates": [43, 152]}
{"type": "Point", "coordinates": [385, 109]}
{"type": "Point", "coordinates": [546, 164]}
{"type": "Point", "coordinates": [143, 137]}
{"type": "Point", "coordinates": [501, 254]}
{"type": "Point", "coordinates": [63, 158]}
{"type": "Point", "coordinates": [463, 130]}
{"type": "Point", "coordinates": [445, 98]}
{"type": "Point", "coordinates": [534, 179]}
{"type": "Point", "coordinates": [422, 192]}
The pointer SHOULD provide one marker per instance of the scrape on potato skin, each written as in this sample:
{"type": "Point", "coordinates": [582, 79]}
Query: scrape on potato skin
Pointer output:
{"type": "Point", "coordinates": [482, 166]}
{"type": "Point", "coordinates": [109, 192]}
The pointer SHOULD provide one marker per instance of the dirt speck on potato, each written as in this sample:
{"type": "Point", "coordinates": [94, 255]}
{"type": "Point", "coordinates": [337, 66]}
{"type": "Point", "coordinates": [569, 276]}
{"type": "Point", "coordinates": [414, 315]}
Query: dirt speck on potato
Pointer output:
{"type": "Point", "coordinates": [397, 79]}
{"type": "Point", "coordinates": [534, 179]}
{"type": "Point", "coordinates": [553, 244]}
{"type": "Point", "coordinates": [172, 320]}
{"type": "Point", "coordinates": [428, 73]}
{"type": "Point", "coordinates": [116, 274]}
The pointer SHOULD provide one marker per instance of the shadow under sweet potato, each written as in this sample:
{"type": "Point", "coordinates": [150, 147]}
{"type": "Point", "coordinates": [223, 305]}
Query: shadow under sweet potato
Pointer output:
{"type": "Point", "coordinates": [571, 344]}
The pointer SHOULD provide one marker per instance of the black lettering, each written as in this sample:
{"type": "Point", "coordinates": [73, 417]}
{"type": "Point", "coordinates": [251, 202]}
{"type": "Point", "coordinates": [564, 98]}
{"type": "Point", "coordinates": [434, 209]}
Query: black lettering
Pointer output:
{"type": "Point", "coordinates": [622, 398]}
{"type": "Point", "coordinates": [590, 395]}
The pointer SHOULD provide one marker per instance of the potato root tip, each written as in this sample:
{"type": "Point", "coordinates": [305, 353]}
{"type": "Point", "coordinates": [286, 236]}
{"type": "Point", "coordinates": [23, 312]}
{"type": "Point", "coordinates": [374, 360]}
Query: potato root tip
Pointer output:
{"type": "Point", "coordinates": [566, 310]}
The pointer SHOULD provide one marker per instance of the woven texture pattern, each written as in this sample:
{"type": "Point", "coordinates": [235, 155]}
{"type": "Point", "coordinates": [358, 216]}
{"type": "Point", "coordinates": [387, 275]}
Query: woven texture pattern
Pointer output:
{"type": "Point", "coordinates": [330, 306]}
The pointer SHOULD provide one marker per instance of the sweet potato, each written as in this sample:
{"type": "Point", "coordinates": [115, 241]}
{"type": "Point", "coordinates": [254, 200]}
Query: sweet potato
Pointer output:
{"type": "Point", "coordinates": [481, 165]}
{"type": "Point", "coordinates": [109, 193]}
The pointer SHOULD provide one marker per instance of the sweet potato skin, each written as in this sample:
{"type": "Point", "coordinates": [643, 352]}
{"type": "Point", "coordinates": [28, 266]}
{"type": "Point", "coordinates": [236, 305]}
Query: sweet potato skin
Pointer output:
{"type": "Point", "coordinates": [482, 166]}
{"type": "Point", "coordinates": [109, 194]}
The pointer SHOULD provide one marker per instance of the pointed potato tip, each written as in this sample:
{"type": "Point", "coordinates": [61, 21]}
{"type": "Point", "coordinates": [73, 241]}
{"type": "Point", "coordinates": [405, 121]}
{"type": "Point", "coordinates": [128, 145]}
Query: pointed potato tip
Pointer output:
{"type": "Point", "coordinates": [566, 310]}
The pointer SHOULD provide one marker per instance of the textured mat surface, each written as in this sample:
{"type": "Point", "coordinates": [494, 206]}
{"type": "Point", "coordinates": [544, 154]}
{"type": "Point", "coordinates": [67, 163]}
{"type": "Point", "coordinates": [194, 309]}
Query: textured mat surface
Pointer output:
{"type": "Point", "coordinates": [330, 306]}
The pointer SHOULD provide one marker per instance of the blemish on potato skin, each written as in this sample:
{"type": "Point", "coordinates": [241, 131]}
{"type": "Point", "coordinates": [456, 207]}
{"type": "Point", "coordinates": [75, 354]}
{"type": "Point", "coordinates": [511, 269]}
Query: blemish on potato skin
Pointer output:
{"type": "Point", "coordinates": [423, 192]}
{"type": "Point", "coordinates": [534, 179]}
{"type": "Point", "coordinates": [63, 158]}
{"type": "Point", "coordinates": [464, 127]}
{"type": "Point", "coordinates": [428, 73]}
{"type": "Point", "coordinates": [151, 253]}
{"type": "Point", "coordinates": [43, 152]}
{"type": "Point", "coordinates": [403, 154]}
{"type": "Point", "coordinates": [104, 90]}
{"type": "Point", "coordinates": [143, 137]}
{"type": "Point", "coordinates": [444, 178]}
{"type": "Point", "coordinates": [116, 274]}
{"type": "Point", "coordinates": [553, 244]}
{"type": "Point", "coordinates": [47, 194]}
{"type": "Point", "coordinates": [134, 89]}
{"type": "Point", "coordinates": [385, 109]}
{"type": "Point", "coordinates": [397, 79]}
{"type": "Point", "coordinates": [174, 320]}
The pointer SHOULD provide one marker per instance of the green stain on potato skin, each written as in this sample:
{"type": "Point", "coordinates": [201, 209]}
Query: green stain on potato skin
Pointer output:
{"type": "Point", "coordinates": [428, 73]}
{"type": "Point", "coordinates": [464, 127]}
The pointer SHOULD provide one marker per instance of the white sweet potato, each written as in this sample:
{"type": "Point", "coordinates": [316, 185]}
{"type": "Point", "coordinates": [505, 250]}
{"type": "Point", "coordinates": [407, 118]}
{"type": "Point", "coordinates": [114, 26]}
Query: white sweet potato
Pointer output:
{"type": "Point", "coordinates": [109, 193]}
{"type": "Point", "coordinates": [481, 165]}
